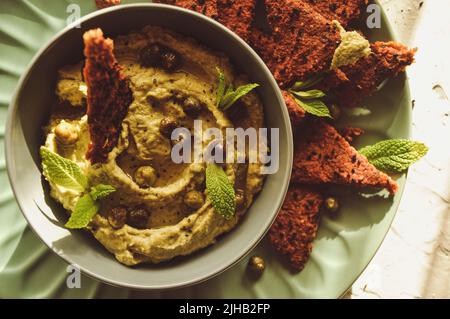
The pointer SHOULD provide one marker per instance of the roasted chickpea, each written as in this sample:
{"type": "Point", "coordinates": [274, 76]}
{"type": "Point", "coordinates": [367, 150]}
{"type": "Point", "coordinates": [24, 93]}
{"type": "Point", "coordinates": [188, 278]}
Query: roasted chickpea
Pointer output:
{"type": "Point", "coordinates": [151, 55]}
{"type": "Point", "coordinates": [66, 134]}
{"type": "Point", "coordinates": [194, 199]}
{"type": "Point", "coordinates": [138, 217]}
{"type": "Point", "coordinates": [332, 204]}
{"type": "Point", "coordinates": [145, 176]}
{"type": "Point", "coordinates": [256, 265]}
{"type": "Point", "coordinates": [117, 217]}
{"type": "Point", "coordinates": [167, 125]}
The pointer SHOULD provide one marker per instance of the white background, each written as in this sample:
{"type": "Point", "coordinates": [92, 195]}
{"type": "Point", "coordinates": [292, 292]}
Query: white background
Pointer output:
{"type": "Point", "coordinates": [414, 260]}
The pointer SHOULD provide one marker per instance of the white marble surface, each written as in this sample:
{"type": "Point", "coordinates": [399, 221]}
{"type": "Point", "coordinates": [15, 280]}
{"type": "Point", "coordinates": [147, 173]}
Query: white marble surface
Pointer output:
{"type": "Point", "coordinates": [414, 260]}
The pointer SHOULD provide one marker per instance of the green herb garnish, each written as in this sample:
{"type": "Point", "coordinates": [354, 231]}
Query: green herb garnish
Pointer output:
{"type": "Point", "coordinates": [67, 174]}
{"type": "Point", "coordinates": [85, 209]}
{"type": "Point", "coordinates": [310, 100]}
{"type": "Point", "coordinates": [220, 191]}
{"type": "Point", "coordinates": [101, 191]}
{"type": "Point", "coordinates": [227, 95]}
{"type": "Point", "coordinates": [309, 95]}
{"type": "Point", "coordinates": [314, 107]}
{"type": "Point", "coordinates": [304, 85]}
{"type": "Point", "coordinates": [221, 88]}
{"type": "Point", "coordinates": [62, 171]}
{"type": "Point", "coordinates": [394, 156]}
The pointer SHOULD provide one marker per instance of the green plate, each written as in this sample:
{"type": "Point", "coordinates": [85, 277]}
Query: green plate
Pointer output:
{"type": "Point", "coordinates": [345, 244]}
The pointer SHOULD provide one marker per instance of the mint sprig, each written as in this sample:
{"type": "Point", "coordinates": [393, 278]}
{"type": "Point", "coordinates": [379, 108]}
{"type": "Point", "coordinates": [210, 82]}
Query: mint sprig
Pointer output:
{"type": "Point", "coordinates": [101, 191]}
{"type": "Point", "coordinates": [62, 171]}
{"type": "Point", "coordinates": [309, 95]}
{"type": "Point", "coordinates": [314, 107]}
{"type": "Point", "coordinates": [227, 95]}
{"type": "Point", "coordinates": [309, 83]}
{"type": "Point", "coordinates": [220, 191]}
{"type": "Point", "coordinates": [221, 88]}
{"type": "Point", "coordinates": [310, 100]}
{"type": "Point", "coordinates": [66, 173]}
{"type": "Point", "coordinates": [85, 209]}
{"type": "Point", "coordinates": [394, 156]}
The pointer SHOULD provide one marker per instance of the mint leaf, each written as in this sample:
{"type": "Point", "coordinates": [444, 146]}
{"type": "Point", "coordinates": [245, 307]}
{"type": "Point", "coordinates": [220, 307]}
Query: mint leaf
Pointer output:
{"type": "Point", "coordinates": [65, 173]}
{"type": "Point", "coordinates": [233, 96]}
{"type": "Point", "coordinates": [226, 95]}
{"type": "Point", "coordinates": [87, 206]}
{"type": "Point", "coordinates": [220, 191]}
{"type": "Point", "coordinates": [85, 209]}
{"type": "Point", "coordinates": [221, 87]}
{"type": "Point", "coordinates": [101, 191]}
{"type": "Point", "coordinates": [312, 94]}
{"type": "Point", "coordinates": [303, 85]}
{"type": "Point", "coordinates": [314, 107]}
{"type": "Point", "coordinates": [394, 156]}
{"type": "Point", "coordinates": [62, 172]}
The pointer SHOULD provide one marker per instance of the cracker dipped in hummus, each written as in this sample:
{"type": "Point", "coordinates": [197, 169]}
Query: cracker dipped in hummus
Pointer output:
{"type": "Point", "coordinates": [111, 131]}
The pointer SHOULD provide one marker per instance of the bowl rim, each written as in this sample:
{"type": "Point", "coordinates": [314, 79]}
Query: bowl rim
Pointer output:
{"type": "Point", "coordinates": [12, 110]}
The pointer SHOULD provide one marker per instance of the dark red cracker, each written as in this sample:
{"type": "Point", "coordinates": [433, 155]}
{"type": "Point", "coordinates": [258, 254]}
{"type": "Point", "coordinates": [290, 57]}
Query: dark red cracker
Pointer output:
{"type": "Point", "coordinates": [106, 3]}
{"type": "Point", "coordinates": [296, 226]}
{"type": "Point", "coordinates": [237, 15]}
{"type": "Point", "coordinates": [296, 113]}
{"type": "Point", "coordinates": [351, 133]}
{"type": "Point", "coordinates": [352, 83]}
{"type": "Point", "coordinates": [302, 42]}
{"type": "Point", "coordinates": [323, 156]}
{"type": "Point", "coordinates": [264, 44]}
{"type": "Point", "coordinates": [109, 95]}
{"type": "Point", "coordinates": [344, 11]}
{"type": "Point", "coordinates": [206, 7]}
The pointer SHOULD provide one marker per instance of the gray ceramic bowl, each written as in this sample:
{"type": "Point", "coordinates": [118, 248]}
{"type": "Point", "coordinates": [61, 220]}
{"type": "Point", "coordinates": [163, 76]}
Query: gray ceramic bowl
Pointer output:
{"type": "Point", "coordinates": [30, 109]}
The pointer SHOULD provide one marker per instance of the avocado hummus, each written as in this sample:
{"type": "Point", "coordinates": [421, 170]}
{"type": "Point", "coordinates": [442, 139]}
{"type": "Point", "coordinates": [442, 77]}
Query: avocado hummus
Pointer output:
{"type": "Point", "coordinates": [160, 209]}
{"type": "Point", "coordinates": [353, 47]}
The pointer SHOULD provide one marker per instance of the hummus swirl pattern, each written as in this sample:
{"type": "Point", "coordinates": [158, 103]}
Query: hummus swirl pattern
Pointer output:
{"type": "Point", "coordinates": [160, 209]}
